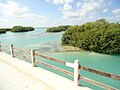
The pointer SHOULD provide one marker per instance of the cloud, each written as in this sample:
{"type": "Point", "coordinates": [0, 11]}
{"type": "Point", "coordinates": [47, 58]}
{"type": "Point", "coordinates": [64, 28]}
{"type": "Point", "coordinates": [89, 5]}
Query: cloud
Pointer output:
{"type": "Point", "coordinates": [67, 7]}
{"type": "Point", "coordinates": [69, 15]}
{"type": "Point", "coordinates": [105, 10]}
{"type": "Point", "coordinates": [116, 16]}
{"type": "Point", "coordinates": [116, 11]}
{"type": "Point", "coordinates": [12, 9]}
{"type": "Point", "coordinates": [14, 14]}
{"type": "Point", "coordinates": [78, 4]}
{"type": "Point", "coordinates": [81, 11]}
{"type": "Point", "coordinates": [89, 10]}
{"type": "Point", "coordinates": [60, 1]}
{"type": "Point", "coordinates": [86, 8]}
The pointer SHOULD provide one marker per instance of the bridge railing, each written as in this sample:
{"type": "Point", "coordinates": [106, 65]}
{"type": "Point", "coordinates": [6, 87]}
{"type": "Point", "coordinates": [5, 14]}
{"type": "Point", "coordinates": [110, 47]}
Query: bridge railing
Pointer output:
{"type": "Point", "coordinates": [76, 66]}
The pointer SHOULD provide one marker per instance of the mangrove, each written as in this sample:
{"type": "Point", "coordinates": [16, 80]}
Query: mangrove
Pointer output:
{"type": "Point", "coordinates": [58, 28]}
{"type": "Point", "coordinates": [99, 36]}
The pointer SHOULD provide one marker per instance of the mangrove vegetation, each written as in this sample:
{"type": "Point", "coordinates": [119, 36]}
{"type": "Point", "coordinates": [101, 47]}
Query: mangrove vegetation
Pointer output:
{"type": "Point", "coordinates": [58, 28]}
{"type": "Point", "coordinates": [4, 30]}
{"type": "Point", "coordinates": [21, 29]}
{"type": "Point", "coordinates": [99, 36]}
{"type": "Point", "coordinates": [16, 29]}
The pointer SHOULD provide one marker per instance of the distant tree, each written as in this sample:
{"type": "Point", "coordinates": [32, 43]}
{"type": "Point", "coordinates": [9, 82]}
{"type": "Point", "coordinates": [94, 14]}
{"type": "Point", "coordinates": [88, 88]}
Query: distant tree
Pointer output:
{"type": "Point", "coordinates": [58, 28]}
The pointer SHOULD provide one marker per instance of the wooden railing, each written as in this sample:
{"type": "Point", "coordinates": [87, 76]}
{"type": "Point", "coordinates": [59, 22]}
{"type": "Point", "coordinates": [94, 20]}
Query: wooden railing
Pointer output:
{"type": "Point", "coordinates": [76, 66]}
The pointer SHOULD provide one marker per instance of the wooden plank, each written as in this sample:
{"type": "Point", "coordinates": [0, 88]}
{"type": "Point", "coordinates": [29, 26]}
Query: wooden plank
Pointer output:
{"type": "Point", "coordinates": [22, 56]}
{"type": "Point", "coordinates": [100, 72]}
{"type": "Point", "coordinates": [50, 58]}
{"type": "Point", "coordinates": [26, 51]}
{"type": "Point", "coordinates": [97, 83]}
{"type": "Point", "coordinates": [55, 68]}
{"type": "Point", "coordinates": [70, 64]}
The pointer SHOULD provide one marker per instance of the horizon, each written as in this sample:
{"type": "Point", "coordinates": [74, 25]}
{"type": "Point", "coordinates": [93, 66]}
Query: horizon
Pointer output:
{"type": "Point", "coordinates": [49, 13]}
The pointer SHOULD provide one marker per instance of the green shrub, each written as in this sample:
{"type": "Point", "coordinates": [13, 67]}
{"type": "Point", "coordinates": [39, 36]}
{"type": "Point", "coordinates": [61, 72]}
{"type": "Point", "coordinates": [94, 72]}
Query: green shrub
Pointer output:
{"type": "Point", "coordinates": [100, 36]}
{"type": "Point", "coordinates": [2, 31]}
{"type": "Point", "coordinates": [57, 29]}
{"type": "Point", "coordinates": [21, 29]}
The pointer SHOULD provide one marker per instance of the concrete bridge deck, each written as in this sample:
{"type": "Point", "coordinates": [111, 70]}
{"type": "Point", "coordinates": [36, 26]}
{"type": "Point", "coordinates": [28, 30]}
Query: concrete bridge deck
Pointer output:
{"type": "Point", "coordinates": [16, 74]}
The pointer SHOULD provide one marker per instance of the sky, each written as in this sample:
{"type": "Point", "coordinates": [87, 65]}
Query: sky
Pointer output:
{"type": "Point", "coordinates": [47, 13]}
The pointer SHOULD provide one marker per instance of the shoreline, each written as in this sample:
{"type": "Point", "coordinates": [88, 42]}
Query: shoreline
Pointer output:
{"type": "Point", "coordinates": [71, 48]}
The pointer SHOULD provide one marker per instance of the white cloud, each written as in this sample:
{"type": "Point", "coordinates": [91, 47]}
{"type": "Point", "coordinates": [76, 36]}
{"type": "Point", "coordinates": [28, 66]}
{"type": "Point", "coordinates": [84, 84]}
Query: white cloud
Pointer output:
{"type": "Point", "coordinates": [116, 11]}
{"type": "Point", "coordinates": [61, 1]}
{"type": "Point", "coordinates": [116, 16]}
{"type": "Point", "coordinates": [89, 10]}
{"type": "Point", "coordinates": [11, 8]}
{"type": "Point", "coordinates": [86, 8]}
{"type": "Point", "coordinates": [78, 4]}
{"type": "Point", "coordinates": [92, 6]}
{"type": "Point", "coordinates": [105, 10]}
{"type": "Point", "coordinates": [82, 11]}
{"type": "Point", "coordinates": [69, 14]}
{"type": "Point", "coordinates": [67, 7]}
{"type": "Point", "coordinates": [14, 14]}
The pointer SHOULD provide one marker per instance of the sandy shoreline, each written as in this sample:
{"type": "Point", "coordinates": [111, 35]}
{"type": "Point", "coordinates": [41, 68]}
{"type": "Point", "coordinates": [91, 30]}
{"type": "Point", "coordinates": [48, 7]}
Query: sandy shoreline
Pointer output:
{"type": "Point", "coordinates": [71, 48]}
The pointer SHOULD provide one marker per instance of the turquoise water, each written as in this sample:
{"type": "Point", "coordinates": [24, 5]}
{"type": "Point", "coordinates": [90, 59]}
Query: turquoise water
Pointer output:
{"type": "Point", "coordinates": [49, 43]}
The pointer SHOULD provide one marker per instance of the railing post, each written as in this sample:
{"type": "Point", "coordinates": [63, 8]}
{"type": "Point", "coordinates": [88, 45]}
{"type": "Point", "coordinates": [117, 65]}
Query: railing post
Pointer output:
{"type": "Point", "coordinates": [11, 50]}
{"type": "Point", "coordinates": [76, 72]}
{"type": "Point", "coordinates": [33, 57]}
{"type": "Point", "coordinates": [0, 47]}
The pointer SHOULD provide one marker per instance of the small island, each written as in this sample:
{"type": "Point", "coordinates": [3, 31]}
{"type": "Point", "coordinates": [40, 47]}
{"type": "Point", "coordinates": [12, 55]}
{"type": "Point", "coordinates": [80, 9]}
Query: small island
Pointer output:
{"type": "Point", "coordinates": [99, 36]}
{"type": "Point", "coordinates": [16, 29]}
{"type": "Point", "coordinates": [21, 29]}
{"type": "Point", "coordinates": [4, 30]}
{"type": "Point", "coordinates": [58, 28]}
